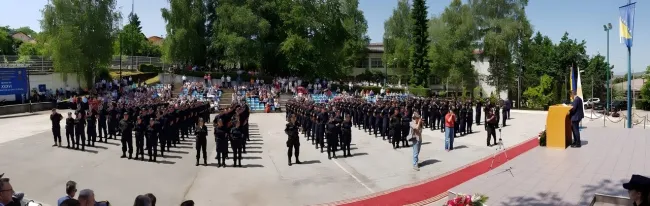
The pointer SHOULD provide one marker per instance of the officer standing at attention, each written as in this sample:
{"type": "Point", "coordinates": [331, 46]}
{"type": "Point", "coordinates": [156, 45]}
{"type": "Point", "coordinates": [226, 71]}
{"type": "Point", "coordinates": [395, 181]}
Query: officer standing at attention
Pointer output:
{"type": "Point", "coordinates": [405, 127]}
{"type": "Point", "coordinates": [140, 130]}
{"type": "Point", "coordinates": [504, 113]}
{"type": "Point", "coordinates": [462, 119]}
{"type": "Point", "coordinates": [152, 140]}
{"type": "Point", "coordinates": [127, 135]}
{"type": "Point", "coordinates": [322, 121]}
{"type": "Point", "coordinates": [332, 132]}
{"type": "Point", "coordinates": [479, 105]}
{"type": "Point", "coordinates": [91, 129]}
{"type": "Point", "coordinates": [236, 142]}
{"type": "Point", "coordinates": [201, 132]}
{"type": "Point", "coordinates": [220, 132]}
{"type": "Point", "coordinates": [112, 122]}
{"type": "Point", "coordinates": [79, 124]}
{"type": "Point", "coordinates": [293, 140]}
{"type": "Point", "coordinates": [69, 130]}
{"type": "Point", "coordinates": [56, 118]}
{"type": "Point", "coordinates": [102, 123]}
{"type": "Point", "coordinates": [395, 131]}
{"type": "Point", "coordinates": [468, 118]}
{"type": "Point", "coordinates": [346, 133]}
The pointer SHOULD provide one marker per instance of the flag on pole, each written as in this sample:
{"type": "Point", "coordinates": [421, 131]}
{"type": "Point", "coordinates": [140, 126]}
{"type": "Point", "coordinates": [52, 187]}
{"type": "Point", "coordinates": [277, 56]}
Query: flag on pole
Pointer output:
{"type": "Point", "coordinates": [626, 23]}
{"type": "Point", "coordinates": [576, 83]}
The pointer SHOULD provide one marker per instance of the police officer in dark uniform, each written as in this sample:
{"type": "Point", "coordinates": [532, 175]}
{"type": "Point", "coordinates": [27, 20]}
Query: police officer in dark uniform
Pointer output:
{"type": "Point", "coordinates": [479, 105]}
{"type": "Point", "coordinates": [69, 130]}
{"type": "Point", "coordinates": [468, 118]}
{"type": "Point", "coordinates": [435, 115]}
{"type": "Point", "coordinates": [323, 118]}
{"type": "Point", "coordinates": [112, 122]}
{"type": "Point", "coordinates": [152, 140]}
{"type": "Point", "coordinates": [332, 132]}
{"type": "Point", "coordinates": [385, 116]}
{"type": "Point", "coordinates": [504, 114]}
{"type": "Point", "coordinates": [293, 140]}
{"type": "Point", "coordinates": [462, 119]}
{"type": "Point", "coordinates": [56, 118]}
{"type": "Point", "coordinates": [102, 123]}
{"type": "Point", "coordinates": [405, 127]}
{"type": "Point", "coordinates": [79, 124]}
{"type": "Point", "coordinates": [201, 132]}
{"type": "Point", "coordinates": [140, 130]}
{"type": "Point", "coordinates": [91, 129]}
{"type": "Point", "coordinates": [443, 110]}
{"type": "Point", "coordinates": [236, 142]}
{"type": "Point", "coordinates": [221, 139]}
{"type": "Point", "coordinates": [395, 131]}
{"type": "Point", "coordinates": [346, 133]}
{"type": "Point", "coordinates": [127, 137]}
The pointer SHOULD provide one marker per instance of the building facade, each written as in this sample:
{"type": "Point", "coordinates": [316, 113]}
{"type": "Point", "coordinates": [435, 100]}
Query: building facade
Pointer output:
{"type": "Point", "coordinates": [375, 63]}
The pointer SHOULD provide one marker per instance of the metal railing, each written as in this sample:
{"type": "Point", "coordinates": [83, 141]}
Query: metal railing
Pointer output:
{"type": "Point", "coordinates": [44, 64]}
{"type": "Point", "coordinates": [606, 117]}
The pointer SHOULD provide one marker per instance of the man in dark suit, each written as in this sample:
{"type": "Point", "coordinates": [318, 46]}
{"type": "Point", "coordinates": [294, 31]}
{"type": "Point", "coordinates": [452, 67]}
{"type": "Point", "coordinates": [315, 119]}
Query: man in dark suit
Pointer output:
{"type": "Point", "coordinates": [576, 116]}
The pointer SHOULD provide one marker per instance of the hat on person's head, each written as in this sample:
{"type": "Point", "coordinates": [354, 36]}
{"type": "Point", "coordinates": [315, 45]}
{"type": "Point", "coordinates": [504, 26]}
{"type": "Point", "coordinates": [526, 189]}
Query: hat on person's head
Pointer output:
{"type": "Point", "coordinates": [638, 183]}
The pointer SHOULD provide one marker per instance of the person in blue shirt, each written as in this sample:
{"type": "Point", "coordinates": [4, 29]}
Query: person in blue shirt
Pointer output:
{"type": "Point", "coordinates": [577, 113]}
{"type": "Point", "coordinates": [70, 191]}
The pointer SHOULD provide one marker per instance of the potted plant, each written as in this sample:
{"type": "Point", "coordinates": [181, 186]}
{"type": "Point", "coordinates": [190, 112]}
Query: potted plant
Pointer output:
{"type": "Point", "coordinates": [467, 200]}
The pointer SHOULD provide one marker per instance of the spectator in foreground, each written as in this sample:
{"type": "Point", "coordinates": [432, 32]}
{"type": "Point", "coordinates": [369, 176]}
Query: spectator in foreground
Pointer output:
{"type": "Point", "coordinates": [70, 202]}
{"type": "Point", "coordinates": [70, 191]}
{"type": "Point", "coordinates": [142, 200]}
{"type": "Point", "coordinates": [639, 190]}
{"type": "Point", "coordinates": [152, 198]}
{"type": "Point", "coordinates": [6, 193]}
{"type": "Point", "coordinates": [187, 203]}
{"type": "Point", "coordinates": [87, 198]}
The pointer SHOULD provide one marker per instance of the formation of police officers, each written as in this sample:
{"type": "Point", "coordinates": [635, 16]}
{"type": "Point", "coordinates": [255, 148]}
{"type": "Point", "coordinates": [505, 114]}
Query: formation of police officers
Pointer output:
{"type": "Point", "coordinates": [153, 123]}
{"type": "Point", "coordinates": [388, 118]}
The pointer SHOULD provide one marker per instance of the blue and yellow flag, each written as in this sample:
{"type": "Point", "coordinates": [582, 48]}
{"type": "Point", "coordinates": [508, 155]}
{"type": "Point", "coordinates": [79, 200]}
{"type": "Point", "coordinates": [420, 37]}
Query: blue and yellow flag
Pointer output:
{"type": "Point", "coordinates": [626, 23]}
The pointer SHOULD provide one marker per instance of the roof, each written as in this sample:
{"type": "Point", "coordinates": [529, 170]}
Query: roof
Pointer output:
{"type": "Point", "coordinates": [376, 47]}
{"type": "Point", "coordinates": [155, 38]}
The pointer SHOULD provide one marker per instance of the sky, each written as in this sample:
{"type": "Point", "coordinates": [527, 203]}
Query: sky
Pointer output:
{"type": "Point", "coordinates": [582, 19]}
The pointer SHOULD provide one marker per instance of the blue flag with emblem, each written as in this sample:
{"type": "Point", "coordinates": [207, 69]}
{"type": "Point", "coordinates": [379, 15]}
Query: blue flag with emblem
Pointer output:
{"type": "Point", "coordinates": [626, 23]}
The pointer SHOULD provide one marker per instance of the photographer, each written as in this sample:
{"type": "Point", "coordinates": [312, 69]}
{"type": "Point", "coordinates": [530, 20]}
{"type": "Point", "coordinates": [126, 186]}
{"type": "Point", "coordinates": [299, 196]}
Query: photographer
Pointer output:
{"type": "Point", "coordinates": [490, 125]}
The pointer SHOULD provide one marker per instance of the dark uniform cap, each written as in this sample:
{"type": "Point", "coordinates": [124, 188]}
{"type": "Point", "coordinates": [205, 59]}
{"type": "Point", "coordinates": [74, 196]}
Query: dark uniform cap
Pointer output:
{"type": "Point", "coordinates": [638, 183]}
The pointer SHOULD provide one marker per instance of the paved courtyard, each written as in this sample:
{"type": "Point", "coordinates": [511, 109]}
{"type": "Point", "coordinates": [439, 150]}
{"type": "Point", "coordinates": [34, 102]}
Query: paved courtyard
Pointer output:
{"type": "Point", "coordinates": [543, 176]}
{"type": "Point", "coordinates": [41, 171]}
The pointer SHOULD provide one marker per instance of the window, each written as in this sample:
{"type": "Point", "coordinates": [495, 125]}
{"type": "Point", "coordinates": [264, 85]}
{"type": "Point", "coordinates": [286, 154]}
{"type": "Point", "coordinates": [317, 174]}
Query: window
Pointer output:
{"type": "Point", "coordinates": [376, 63]}
{"type": "Point", "coordinates": [363, 63]}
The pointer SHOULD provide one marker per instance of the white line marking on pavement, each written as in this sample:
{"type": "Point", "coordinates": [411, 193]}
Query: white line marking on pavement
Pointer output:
{"type": "Point", "coordinates": [355, 177]}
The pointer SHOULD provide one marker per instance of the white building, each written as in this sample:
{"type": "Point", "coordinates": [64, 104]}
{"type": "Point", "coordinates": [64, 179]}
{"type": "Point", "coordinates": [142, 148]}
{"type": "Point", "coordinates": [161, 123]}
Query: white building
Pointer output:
{"type": "Point", "coordinates": [374, 63]}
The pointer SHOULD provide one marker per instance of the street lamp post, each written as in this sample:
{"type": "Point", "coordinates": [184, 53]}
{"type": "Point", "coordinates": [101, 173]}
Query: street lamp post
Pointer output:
{"type": "Point", "coordinates": [608, 27]}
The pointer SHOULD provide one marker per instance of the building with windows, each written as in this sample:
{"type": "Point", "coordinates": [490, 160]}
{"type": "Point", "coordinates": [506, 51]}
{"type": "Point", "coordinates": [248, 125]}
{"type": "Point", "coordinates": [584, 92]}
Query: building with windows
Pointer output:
{"type": "Point", "coordinates": [374, 63]}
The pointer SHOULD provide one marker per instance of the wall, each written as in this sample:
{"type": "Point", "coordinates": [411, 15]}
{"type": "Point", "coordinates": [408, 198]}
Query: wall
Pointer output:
{"type": "Point", "coordinates": [482, 69]}
{"type": "Point", "coordinates": [53, 81]}
{"type": "Point", "coordinates": [22, 108]}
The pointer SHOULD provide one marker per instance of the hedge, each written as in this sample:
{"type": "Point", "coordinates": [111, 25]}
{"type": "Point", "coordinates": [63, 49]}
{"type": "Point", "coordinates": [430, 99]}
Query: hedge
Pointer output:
{"type": "Point", "coordinates": [150, 68]}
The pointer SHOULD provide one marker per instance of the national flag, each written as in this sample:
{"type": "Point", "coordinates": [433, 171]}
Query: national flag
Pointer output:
{"type": "Point", "coordinates": [626, 23]}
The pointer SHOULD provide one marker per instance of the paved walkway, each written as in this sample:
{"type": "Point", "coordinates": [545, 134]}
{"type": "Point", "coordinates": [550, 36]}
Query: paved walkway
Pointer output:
{"type": "Point", "coordinates": [41, 170]}
{"type": "Point", "coordinates": [543, 176]}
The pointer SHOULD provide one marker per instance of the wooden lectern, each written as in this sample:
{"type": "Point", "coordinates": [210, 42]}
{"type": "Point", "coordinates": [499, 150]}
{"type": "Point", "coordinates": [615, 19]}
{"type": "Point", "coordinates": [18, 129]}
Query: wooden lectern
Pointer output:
{"type": "Point", "coordinates": [558, 127]}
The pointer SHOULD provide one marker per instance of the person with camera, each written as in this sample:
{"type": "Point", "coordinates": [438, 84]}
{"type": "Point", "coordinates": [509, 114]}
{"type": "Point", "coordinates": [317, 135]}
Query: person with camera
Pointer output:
{"type": "Point", "coordinates": [450, 121]}
{"type": "Point", "coordinates": [293, 140]}
{"type": "Point", "coordinates": [490, 126]}
{"type": "Point", "coordinates": [416, 139]}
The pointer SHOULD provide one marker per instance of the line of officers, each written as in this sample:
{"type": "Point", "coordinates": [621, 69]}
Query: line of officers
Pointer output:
{"type": "Point", "coordinates": [153, 123]}
{"type": "Point", "coordinates": [390, 117]}
{"type": "Point", "coordinates": [320, 123]}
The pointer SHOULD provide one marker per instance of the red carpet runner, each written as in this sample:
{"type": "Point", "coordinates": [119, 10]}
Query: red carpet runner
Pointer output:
{"type": "Point", "coordinates": [438, 186]}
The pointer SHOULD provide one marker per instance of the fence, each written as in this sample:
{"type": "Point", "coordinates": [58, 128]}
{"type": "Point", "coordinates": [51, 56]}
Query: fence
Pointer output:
{"type": "Point", "coordinates": [637, 119]}
{"type": "Point", "coordinates": [43, 64]}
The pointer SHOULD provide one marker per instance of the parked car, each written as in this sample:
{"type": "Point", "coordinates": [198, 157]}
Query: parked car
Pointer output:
{"type": "Point", "coordinates": [599, 106]}
{"type": "Point", "coordinates": [618, 105]}
{"type": "Point", "coordinates": [590, 103]}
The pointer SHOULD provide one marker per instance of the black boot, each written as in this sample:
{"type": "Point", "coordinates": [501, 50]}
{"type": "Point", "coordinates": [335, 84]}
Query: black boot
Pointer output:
{"type": "Point", "coordinates": [197, 161]}
{"type": "Point", "coordinates": [297, 160]}
{"type": "Point", "coordinates": [289, 160]}
{"type": "Point", "coordinates": [123, 155]}
{"type": "Point", "coordinates": [130, 156]}
{"type": "Point", "coordinates": [205, 162]}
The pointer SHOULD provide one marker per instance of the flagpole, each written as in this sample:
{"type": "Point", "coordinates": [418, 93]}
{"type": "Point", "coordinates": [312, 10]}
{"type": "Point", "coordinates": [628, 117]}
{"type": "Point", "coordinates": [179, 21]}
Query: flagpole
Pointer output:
{"type": "Point", "coordinates": [629, 87]}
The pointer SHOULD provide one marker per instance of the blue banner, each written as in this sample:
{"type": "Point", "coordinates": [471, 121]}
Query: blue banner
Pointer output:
{"type": "Point", "coordinates": [13, 81]}
{"type": "Point", "coordinates": [626, 23]}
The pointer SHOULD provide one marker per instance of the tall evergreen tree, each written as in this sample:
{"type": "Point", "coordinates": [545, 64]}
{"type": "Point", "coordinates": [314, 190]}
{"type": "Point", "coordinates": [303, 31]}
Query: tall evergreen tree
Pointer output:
{"type": "Point", "coordinates": [420, 40]}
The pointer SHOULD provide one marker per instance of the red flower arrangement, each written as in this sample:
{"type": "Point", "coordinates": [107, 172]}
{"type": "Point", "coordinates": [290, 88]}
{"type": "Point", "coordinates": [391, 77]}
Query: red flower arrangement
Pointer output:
{"type": "Point", "coordinates": [467, 200]}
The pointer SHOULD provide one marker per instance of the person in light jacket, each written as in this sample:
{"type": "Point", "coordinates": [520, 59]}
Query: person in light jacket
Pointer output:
{"type": "Point", "coordinates": [416, 127]}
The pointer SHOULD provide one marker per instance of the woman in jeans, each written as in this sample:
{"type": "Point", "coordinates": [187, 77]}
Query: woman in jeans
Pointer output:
{"type": "Point", "coordinates": [416, 127]}
{"type": "Point", "coordinates": [450, 120]}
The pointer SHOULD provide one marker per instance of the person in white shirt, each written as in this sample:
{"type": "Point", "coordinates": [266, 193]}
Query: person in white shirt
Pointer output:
{"type": "Point", "coordinates": [228, 81]}
{"type": "Point", "coordinates": [223, 81]}
{"type": "Point", "coordinates": [184, 78]}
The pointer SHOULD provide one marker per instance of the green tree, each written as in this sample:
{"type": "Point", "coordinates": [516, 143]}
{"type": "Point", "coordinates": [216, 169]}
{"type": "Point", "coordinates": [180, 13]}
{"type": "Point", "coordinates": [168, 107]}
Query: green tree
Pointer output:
{"type": "Point", "coordinates": [80, 35]}
{"type": "Point", "coordinates": [501, 25]}
{"type": "Point", "coordinates": [595, 78]}
{"type": "Point", "coordinates": [420, 38]}
{"type": "Point", "coordinates": [397, 30]}
{"type": "Point", "coordinates": [452, 45]}
{"type": "Point", "coordinates": [541, 95]}
{"type": "Point", "coordinates": [185, 42]}
{"type": "Point", "coordinates": [356, 40]}
{"type": "Point", "coordinates": [131, 39]}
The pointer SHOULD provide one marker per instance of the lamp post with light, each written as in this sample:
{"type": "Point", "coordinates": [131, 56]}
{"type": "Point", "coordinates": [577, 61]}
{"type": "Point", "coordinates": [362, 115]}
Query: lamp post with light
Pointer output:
{"type": "Point", "coordinates": [608, 27]}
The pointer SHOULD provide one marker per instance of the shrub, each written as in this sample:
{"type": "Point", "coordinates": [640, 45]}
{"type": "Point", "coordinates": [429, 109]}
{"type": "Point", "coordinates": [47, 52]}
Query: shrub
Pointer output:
{"type": "Point", "coordinates": [149, 68]}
